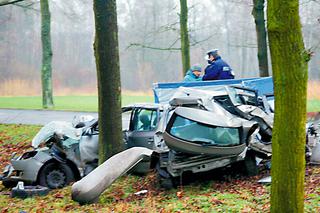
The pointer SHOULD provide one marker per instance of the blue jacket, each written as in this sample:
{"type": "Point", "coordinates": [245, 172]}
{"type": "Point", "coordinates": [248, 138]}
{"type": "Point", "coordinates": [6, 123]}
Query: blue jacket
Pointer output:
{"type": "Point", "coordinates": [218, 70]}
{"type": "Point", "coordinates": [191, 77]}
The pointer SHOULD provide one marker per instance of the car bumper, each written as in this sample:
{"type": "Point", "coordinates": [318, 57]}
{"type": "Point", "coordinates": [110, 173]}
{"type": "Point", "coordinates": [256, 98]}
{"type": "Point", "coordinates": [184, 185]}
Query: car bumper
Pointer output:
{"type": "Point", "coordinates": [25, 170]}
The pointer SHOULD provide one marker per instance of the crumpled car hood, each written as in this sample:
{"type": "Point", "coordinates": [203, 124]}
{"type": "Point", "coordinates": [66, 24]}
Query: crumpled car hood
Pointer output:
{"type": "Point", "coordinates": [59, 127]}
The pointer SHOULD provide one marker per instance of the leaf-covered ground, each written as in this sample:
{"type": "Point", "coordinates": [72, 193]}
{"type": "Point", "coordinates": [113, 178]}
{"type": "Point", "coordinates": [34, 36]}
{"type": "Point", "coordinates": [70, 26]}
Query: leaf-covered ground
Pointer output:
{"type": "Point", "coordinates": [221, 193]}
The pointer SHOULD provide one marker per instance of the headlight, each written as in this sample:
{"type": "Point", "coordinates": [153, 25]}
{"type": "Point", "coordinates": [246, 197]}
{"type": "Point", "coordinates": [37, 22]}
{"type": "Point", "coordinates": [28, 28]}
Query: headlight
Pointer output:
{"type": "Point", "coordinates": [28, 155]}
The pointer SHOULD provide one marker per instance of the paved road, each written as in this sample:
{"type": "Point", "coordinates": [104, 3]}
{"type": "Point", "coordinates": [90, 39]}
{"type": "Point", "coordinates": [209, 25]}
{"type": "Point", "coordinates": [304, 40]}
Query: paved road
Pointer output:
{"type": "Point", "coordinates": [37, 117]}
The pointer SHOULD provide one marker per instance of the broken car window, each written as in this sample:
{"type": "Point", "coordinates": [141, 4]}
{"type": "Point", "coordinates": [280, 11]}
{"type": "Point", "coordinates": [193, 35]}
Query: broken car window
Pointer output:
{"type": "Point", "coordinates": [196, 132]}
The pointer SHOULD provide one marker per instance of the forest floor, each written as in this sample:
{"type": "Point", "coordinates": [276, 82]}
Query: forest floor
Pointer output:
{"type": "Point", "coordinates": [222, 192]}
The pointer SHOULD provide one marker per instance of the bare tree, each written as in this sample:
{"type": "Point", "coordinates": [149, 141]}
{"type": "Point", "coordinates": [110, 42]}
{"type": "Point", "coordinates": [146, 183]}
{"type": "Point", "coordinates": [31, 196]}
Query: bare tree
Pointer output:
{"type": "Point", "coordinates": [46, 71]}
{"type": "Point", "coordinates": [258, 14]}
{"type": "Point", "coordinates": [184, 35]}
{"type": "Point", "coordinates": [108, 72]}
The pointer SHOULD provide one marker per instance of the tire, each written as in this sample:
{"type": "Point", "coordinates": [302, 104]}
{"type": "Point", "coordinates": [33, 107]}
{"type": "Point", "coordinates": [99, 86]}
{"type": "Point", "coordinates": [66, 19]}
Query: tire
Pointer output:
{"type": "Point", "coordinates": [29, 191]}
{"type": "Point", "coordinates": [165, 182]}
{"type": "Point", "coordinates": [250, 166]}
{"type": "Point", "coordinates": [56, 175]}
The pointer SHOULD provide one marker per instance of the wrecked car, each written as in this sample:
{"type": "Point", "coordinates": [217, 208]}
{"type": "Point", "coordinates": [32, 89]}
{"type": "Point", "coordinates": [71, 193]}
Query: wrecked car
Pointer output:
{"type": "Point", "coordinates": [62, 153]}
{"type": "Point", "coordinates": [194, 133]}
{"type": "Point", "coordinates": [201, 134]}
{"type": "Point", "coordinates": [201, 130]}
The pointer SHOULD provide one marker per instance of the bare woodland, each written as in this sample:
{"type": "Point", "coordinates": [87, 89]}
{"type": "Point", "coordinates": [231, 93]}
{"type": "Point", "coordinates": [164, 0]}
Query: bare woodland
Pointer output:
{"type": "Point", "coordinates": [149, 42]}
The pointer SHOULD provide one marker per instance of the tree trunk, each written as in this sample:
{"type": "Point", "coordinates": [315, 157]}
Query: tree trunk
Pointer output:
{"type": "Point", "coordinates": [185, 48]}
{"type": "Point", "coordinates": [46, 71]}
{"type": "Point", "coordinates": [108, 73]}
{"type": "Point", "coordinates": [258, 14]}
{"type": "Point", "coordinates": [289, 64]}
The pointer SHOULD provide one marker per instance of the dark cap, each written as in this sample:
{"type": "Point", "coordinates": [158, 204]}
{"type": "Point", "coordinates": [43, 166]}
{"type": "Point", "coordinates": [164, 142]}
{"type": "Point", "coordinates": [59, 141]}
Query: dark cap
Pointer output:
{"type": "Point", "coordinates": [213, 52]}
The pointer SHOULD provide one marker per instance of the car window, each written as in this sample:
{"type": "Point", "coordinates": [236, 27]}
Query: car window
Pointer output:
{"type": "Point", "coordinates": [145, 119]}
{"type": "Point", "coordinates": [192, 131]}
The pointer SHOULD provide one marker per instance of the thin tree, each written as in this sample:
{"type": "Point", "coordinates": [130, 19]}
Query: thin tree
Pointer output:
{"type": "Point", "coordinates": [258, 14]}
{"type": "Point", "coordinates": [184, 36]}
{"type": "Point", "coordinates": [289, 63]}
{"type": "Point", "coordinates": [108, 72]}
{"type": "Point", "coordinates": [46, 70]}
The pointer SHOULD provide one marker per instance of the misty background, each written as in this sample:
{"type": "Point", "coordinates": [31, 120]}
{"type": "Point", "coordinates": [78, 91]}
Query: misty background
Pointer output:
{"type": "Point", "coordinates": [224, 24]}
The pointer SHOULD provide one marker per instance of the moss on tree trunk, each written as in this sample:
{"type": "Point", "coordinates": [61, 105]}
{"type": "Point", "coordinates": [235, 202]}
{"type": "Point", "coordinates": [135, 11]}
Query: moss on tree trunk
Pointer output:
{"type": "Point", "coordinates": [184, 36]}
{"type": "Point", "coordinates": [289, 64]}
{"type": "Point", "coordinates": [46, 70]}
{"type": "Point", "coordinates": [108, 73]}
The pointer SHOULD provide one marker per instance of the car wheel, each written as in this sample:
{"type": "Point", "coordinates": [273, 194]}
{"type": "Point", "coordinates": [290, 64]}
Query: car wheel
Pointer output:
{"type": "Point", "coordinates": [56, 175]}
{"type": "Point", "coordinates": [29, 191]}
{"type": "Point", "coordinates": [165, 180]}
{"type": "Point", "coordinates": [250, 165]}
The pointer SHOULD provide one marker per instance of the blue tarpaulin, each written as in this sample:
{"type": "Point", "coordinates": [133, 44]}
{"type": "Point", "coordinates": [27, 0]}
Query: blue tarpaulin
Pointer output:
{"type": "Point", "coordinates": [262, 85]}
{"type": "Point", "coordinates": [164, 91]}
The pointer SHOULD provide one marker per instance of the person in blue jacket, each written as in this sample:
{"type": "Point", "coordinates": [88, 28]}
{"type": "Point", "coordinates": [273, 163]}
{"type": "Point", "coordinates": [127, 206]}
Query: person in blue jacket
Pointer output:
{"type": "Point", "coordinates": [217, 68]}
{"type": "Point", "coordinates": [193, 74]}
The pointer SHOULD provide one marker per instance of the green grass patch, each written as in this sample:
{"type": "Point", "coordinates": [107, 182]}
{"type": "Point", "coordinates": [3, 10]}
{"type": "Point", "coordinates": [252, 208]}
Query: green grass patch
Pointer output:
{"type": "Point", "coordinates": [313, 106]}
{"type": "Point", "coordinates": [73, 103]}
{"type": "Point", "coordinates": [90, 103]}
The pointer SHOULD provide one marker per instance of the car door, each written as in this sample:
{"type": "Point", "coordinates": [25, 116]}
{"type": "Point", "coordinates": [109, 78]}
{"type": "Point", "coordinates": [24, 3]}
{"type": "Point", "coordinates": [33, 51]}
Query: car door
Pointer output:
{"type": "Point", "coordinates": [142, 127]}
{"type": "Point", "coordinates": [126, 119]}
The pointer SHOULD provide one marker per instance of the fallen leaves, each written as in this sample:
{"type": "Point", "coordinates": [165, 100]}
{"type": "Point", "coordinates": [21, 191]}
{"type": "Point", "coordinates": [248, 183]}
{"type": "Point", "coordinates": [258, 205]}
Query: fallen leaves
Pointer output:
{"type": "Point", "coordinates": [14, 138]}
{"type": "Point", "coordinates": [58, 195]}
{"type": "Point", "coordinates": [216, 201]}
{"type": "Point", "coordinates": [179, 194]}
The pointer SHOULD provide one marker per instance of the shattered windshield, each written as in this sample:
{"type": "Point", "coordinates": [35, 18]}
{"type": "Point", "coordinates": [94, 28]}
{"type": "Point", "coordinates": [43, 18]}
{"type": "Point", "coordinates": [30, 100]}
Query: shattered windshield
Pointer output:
{"type": "Point", "coordinates": [241, 96]}
{"type": "Point", "coordinates": [234, 96]}
{"type": "Point", "coordinates": [196, 132]}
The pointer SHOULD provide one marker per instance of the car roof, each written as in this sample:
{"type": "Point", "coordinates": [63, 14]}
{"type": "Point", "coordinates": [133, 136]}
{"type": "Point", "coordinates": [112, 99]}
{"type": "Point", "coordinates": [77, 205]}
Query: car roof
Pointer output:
{"type": "Point", "coordinates": [145, 105]}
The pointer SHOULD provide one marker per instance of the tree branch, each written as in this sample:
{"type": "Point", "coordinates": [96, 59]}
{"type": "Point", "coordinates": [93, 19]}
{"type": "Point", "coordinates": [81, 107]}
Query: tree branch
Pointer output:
{"type": "Point", "coordinates": [153, 48]}
{"type": "Point", "coordinates": [173, 43]}
{"type": "Point", "coordinates": [195, 42]}
{"type": "Point", "coordinates": [8, 2]}
{"type": "Point", "coordinates": [28, 6]}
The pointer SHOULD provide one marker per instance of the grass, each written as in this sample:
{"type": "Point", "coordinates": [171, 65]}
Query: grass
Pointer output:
{"type": "Point", "coordinates": [227, 194]}
{"type": "Point", "coordinates": [90, 103]}
{"type": "Point", "coordinates": [74, 103]}
{"type": "Point", "coordinates": [313, 105]}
